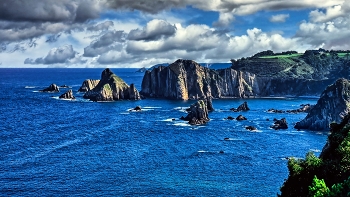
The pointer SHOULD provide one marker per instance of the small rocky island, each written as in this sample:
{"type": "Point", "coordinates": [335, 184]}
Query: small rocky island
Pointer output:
{"type": "Point", "coordinates": [52, 88]}
{"type": "Point", "coordinates": [198, 112]}
{"type": "Point", "coordinates": [110, 88]}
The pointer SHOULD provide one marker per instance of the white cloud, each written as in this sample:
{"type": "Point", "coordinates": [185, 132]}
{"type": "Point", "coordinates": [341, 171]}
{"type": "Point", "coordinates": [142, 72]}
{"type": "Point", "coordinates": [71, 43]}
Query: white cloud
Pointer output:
{"type": "Point", "coordinates": [55, 56]}
{"type": "Point", "coordinates": [280, 18]}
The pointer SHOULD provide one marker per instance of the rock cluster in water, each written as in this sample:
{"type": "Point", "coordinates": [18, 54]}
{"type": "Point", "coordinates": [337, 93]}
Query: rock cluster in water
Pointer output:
{"type": "Point", "coordinates": [111, 88]}
{"type": "Point", "coordinates": [332, 106]}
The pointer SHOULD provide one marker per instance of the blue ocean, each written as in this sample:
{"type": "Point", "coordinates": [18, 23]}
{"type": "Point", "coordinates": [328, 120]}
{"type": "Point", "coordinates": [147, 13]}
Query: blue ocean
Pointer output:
{"type": "Point", "coordinates": [53, 147]}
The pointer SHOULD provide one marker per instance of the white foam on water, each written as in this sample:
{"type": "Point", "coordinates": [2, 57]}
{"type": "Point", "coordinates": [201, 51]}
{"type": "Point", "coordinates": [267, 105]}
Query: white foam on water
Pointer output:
{"type": "Point", "coordinates": [30, 87]}
{"type": "Point", "coordinates": [182, 124]}
{"type": "Point", "coordinates": [202, 151]}
{"type": "Point", "coordinates": [315, 150]}
{"type": "Point", "coordinates": [35, 91]}
{"type": "Point", "coordinates": [151, 107]}
{"type": "Point", "coordinates": [168, 120]}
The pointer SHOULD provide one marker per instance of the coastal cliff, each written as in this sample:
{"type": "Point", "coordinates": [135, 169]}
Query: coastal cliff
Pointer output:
{"type": "Point", "coordinates": [332, 106]}
{"type": "Point", "coordinates": [111, 88]}
{"type": "Point", "coordinates": [186, 79]}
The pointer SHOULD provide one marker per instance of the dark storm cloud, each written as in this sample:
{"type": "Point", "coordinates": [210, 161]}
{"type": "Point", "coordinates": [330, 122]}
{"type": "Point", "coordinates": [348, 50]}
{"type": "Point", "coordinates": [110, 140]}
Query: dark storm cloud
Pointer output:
{"type": "Point", "coordinates": [101, 26]}
{"type": "Point", "coordinates": [55, 55]}
{"type": "Point", "coordinates": [49, 10]}
{"type": "Point", "coordinates": [149, 6]}
{"type": "Point", "coordinates": [154, 30]}
{"type": "Point", "coordinates": [108, 41]}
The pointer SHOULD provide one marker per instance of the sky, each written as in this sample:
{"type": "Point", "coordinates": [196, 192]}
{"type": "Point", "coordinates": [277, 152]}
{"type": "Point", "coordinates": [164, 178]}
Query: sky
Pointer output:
{"type": "Point", "coordinates": [143, 33]}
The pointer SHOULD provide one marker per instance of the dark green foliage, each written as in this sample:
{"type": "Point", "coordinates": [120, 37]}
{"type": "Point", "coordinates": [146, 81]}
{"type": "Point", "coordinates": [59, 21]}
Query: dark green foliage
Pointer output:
{"type": "Point", "coordinates": [318, 188]}
{"type": "Point", "coordinates": [309, 176]}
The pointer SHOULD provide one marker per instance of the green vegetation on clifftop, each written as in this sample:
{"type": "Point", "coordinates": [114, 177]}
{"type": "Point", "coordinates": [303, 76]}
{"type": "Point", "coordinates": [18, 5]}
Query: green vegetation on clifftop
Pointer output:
{"type": "Point", "coordinates": [326, 175]}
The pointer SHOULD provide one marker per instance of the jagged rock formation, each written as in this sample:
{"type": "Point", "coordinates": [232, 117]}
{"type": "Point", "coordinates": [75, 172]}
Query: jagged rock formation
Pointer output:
{"type": "Point", "coordinates": [52, 88]}
{"type": "Point", "coordinates": [67, 95]}
{"type": "Point", "coordinates": [111, 88]}
{"type": "Point", "coordinates": [186, 79]}
{"type": "Point", "coordinates": [88, 85]}
{"type": "Point", "coordinates": [332, 106]}
{"type": "Point", "coordinates": [280, 124]}
{"type": "Point", "coordinates": [198, 112]}
{"type": "Point", "coordinates": [242, 107]}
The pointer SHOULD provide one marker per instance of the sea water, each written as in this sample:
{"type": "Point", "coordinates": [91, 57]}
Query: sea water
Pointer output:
{"type": "Point", "coordinates": [53, 147]}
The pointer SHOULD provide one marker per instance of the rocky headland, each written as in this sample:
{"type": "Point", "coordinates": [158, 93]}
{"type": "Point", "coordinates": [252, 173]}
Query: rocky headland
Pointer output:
{"type": "Point", "coordinates": [186, 79]}
{"type": "Point", "coordinates": [111, 88]}
{"type": "Point", "coordinates": [332, 106]}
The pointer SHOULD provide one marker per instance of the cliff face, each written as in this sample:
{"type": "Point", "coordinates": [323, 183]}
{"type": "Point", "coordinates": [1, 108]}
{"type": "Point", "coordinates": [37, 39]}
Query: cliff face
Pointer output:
{"type": "Point", "coordinates": [110, 88]}
{"type": "Point", "coordinates": [332, 106]}
{"type": "Point", "coordinates": [185, 79]}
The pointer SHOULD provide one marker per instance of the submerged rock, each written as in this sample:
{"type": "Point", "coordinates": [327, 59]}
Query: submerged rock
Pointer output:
{"type": "Point", "coordinates": [52, 88]}
{"type": "Point", "coordinates": [250, 128]}
{"type": "Point", "coordinates": [64, 86]}
{"type": "Point", "coordinates": [88, 85]}
{"type": "Point", "coordinates": [137, 108]}
{"type": "Point", "coordinates": [111, 88]}
{"type": "Point", "coordinates": [198, 113]}
{"type": "Point", "coordinates": [280, 124]}
{"type": "Point", "coordinates": [67, 95]}
{"type": "Point", "coordinates": [332, 106]}
{"type": "Point", "coordinates": [230, 118]}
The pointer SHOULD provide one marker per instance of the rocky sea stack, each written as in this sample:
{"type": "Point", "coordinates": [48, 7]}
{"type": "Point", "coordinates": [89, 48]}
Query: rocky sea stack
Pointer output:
{"type": "Point", "coordinates": [198, 112]}
{"type": "Point", "coordinates": [52, 88]}
{"type": "Point", "coordinates": [111, 88]}
{"type": "Point", "coordinates": [67, 95]}
{"type": "Point", "coordinates": [332, 106]}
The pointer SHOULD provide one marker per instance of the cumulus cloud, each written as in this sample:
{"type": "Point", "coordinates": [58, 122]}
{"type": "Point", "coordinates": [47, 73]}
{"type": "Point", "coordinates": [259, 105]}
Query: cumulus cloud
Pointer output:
{"type": "Point", "coordinates": [154, 30]}
{"type": "Point", "coordinates": [55, 56]}
{"type": "Point", "coordinates": [224, 20]}
{"type": "Point", "coordinates": [280, 18]}
{"type": "Point", "coordinates": [330, 13]}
